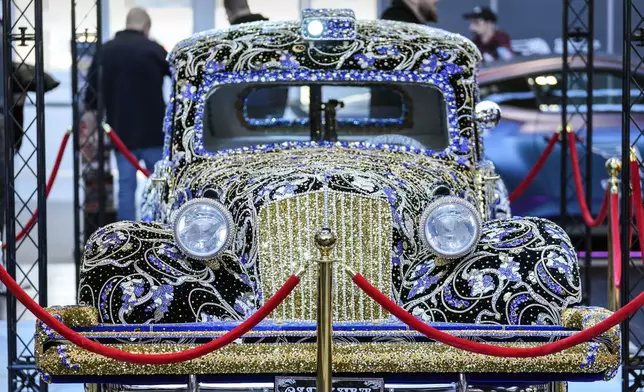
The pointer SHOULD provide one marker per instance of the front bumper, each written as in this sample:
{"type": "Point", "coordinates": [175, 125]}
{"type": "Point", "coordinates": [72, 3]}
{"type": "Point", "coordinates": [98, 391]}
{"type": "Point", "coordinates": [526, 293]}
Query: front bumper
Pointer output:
{"type": "Point", "coordinates": [387, 350]}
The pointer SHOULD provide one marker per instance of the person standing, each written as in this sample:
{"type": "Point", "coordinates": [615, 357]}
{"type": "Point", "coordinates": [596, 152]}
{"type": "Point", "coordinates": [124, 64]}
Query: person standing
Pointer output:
{"type": "Point", "coordinates": [384, 103]}
{"type": "Point", "coordinates": [412, 11]}
{"type": "Point", "coordinates": [130, 69]}
{"type": "Point", "coordinates": [493, 43]}
{"type": "Point", "coordinates": [239, 12]}
{"type": "Point", "coordinates": [264, 103]}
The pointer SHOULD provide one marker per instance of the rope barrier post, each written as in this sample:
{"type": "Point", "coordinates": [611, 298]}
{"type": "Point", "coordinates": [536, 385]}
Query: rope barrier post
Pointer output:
{"type": "Point", "coordinates": [122, 149]}
{"type": "Point", "coordinates": [613, 167]}
{"type": "Point", "coordinates": [461, 384]}
{"type": "Point", "coordinates": [325, 241]}
{"type": "Point", "coordinates": [559, 386]}
{"type": "Point", "coordinates": [193, 385]}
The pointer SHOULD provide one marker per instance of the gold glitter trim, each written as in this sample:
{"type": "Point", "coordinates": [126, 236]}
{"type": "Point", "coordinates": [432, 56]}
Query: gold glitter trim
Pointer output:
{"type": "Point", "coordinates": [73, 316]}
{"type": "Point", "coordinates": [347, 358]}
{"type": "Point", "coordinates": [312, 333]}
{"type": "Point", "coordinates": [76, 316]}
{"type": "Point", "coordinates": [573, 318]}
{"type": "Point", "coordinates": [363, 227]}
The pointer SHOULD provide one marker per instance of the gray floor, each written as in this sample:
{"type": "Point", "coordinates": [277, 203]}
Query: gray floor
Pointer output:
{"type": "Point", "coordinates": [61, 290]}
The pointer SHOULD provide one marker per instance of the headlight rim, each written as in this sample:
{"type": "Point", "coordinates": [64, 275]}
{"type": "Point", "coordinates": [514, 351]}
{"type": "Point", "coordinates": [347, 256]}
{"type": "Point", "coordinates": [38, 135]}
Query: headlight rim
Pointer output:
{"type": "Point", "coordinates": [445, 200]}
{"type": "Point", "coordinates": [228, 218]}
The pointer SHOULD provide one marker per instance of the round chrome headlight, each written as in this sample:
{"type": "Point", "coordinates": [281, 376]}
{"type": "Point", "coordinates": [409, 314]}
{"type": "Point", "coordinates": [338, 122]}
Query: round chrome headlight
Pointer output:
{"type": "Point", "coordinates": [203, 228]}
{"type": "Point", "coordinates": [451, 227]}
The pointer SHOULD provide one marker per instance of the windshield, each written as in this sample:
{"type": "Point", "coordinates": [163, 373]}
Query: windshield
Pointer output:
{"type": "Point", "coordinates": [543, 92]}
{"type": "Point", "coordinates": [239, 115]}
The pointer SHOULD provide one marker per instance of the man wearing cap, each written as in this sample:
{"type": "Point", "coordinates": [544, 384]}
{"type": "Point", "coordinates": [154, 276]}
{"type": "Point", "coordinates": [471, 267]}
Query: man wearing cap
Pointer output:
{"type": "Point", "coordinates": [493, 44]}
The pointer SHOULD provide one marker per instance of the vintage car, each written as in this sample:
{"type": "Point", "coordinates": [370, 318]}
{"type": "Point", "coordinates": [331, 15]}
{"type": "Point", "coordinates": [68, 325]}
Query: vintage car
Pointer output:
{"type": "Point", "coordinates": [245, 184]}
{"type": "Point", "coordinates": [529, 92]}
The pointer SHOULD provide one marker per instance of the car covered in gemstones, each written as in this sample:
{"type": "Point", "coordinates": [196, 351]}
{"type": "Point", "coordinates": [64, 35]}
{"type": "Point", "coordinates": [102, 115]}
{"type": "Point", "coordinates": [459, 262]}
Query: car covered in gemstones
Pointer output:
{"type": "Point", "coordinates": [245, 183]}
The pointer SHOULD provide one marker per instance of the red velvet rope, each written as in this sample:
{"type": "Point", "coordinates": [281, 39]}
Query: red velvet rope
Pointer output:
{"type": "Point", "coordinates": [637, 204]}
{"type": "Point", "coordinates": [118, 143]}
{"type": "Point", "coordinates": [493, 350]}
{"type": "Point", "coordinates": [536, 168]}
{"type": "Point", "coordinates": [631, 213]}
{"type": "Point", "coordinates": [50, 183]}
{"type": "Point", "coordinates": [147, 359]}
{"type": "Point", "coordinates": [616, 248]}
{"type": "Point", "coordinates": [585, 212]}
{"type": "Point", "coordinates": [433, 333]}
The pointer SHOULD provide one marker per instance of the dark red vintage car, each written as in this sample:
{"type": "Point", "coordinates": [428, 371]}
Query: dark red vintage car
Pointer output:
{"type": "Point", "coordinates": [529, 92]}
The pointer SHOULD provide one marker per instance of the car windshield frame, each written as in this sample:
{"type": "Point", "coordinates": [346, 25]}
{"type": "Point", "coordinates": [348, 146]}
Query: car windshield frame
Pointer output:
{"type": "Point", "coordinates": [445, 84]}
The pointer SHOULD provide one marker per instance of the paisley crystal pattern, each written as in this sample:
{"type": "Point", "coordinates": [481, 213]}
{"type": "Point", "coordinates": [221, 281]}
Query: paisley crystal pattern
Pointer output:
{"type": "Point", "coordinates": [522, 271]}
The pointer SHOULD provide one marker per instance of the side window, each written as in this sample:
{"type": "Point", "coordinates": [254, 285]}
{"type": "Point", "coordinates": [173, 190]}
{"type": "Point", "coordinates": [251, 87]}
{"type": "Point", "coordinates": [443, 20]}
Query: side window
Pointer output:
{"type": "Point", "coordinates": [514, 92]}
{"type": "Point", "coordinates": [607, 92]}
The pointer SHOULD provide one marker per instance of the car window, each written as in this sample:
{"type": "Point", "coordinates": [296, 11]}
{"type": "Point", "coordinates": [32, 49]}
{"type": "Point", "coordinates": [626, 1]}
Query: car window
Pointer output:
{"type": "Point", "coordinates": [245, 114]}
{"type": "Point", "coordinates": [363, 107]}
{"type": "Point", "coordinates": [607, 92]}
{"type": "Point", "coordinates": [510, 92]}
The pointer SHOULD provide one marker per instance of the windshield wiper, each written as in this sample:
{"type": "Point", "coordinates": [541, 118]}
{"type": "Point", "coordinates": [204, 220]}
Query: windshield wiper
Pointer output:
{"type": "Point", "coordinates": [331, 119]}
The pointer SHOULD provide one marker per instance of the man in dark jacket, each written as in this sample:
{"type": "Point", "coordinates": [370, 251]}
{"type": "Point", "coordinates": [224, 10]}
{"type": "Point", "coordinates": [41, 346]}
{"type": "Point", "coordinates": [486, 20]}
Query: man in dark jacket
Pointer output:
{"type": "Point", "coordinates": [385, 103]}
{"type": "Point", "coordinates": [238, 12]}
{"type": "Point", "coordinates": [412, 11]}
{"type": "Point", "coordinates": [130, 69]}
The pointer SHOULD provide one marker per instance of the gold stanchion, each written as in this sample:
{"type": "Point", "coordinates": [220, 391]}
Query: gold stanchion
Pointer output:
{"type": "Point", "coordinates": [568, 129]}
{"type": "Point", "coordinates": [613, 167]}
{"type": "Point", "coordinates": [325, 241]}
{"type": "Point", "coordinates": [559, 386]}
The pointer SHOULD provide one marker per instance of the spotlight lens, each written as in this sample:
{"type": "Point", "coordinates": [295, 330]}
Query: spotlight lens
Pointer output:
{"type": "Point", "coordinates": [315, 28]}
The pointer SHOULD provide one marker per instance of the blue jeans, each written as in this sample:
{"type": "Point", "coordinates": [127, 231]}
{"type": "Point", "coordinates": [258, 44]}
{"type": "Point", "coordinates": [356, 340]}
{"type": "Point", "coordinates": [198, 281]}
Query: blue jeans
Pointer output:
{"type": "Point", "coordinates": [127, 179]}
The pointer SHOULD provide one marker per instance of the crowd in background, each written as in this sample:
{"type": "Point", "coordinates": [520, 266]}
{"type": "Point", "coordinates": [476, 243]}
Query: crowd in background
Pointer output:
{"type": "Point", "coordinates": [493, 43]}
{"type": "Point", "coordinates": [133, 68]}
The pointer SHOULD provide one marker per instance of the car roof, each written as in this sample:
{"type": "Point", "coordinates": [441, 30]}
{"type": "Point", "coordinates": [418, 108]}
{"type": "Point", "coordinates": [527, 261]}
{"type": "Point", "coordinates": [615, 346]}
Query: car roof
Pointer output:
{"type": "Point", "coordinates": [552, 56]}
{"type": "Point", "coordinates": [526, 65]}
{"type": "Point", "coordinates": [247, 37]}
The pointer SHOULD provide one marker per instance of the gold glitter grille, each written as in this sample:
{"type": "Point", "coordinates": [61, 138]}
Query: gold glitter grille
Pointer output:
{"type": "Point", "coordinates": [363, 226]}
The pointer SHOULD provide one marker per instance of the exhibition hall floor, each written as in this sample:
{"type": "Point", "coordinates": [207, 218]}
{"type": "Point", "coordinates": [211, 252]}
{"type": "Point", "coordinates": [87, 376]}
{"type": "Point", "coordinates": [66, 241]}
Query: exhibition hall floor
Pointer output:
{"type": "Point", "coordinates": [60, 291]}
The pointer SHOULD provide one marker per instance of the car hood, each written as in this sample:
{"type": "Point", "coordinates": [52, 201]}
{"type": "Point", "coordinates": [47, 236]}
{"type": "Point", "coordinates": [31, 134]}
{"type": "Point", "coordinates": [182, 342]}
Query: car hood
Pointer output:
{"type": "Point", "coordinates": [372, 198]}
{"type": "Point", "coordinates": [407, 181]}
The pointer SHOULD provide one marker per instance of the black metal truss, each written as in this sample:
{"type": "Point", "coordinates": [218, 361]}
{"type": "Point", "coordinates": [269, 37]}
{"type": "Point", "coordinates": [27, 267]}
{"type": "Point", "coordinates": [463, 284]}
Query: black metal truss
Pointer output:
{"type": "Point", "coordinates": [577, 74]}
{"type": "Point", "coordinates": [24, 155]}
{"type": "Point", "coordinates": [23, 43]}
{"type": "Point", "coordinates": [93, 205]}
{"type": "Point", "coordinates": [632, 131]}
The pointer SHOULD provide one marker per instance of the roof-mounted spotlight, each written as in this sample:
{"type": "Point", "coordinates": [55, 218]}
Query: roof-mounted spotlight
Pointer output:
{"type": "Point", "coordinates": [322, 24]}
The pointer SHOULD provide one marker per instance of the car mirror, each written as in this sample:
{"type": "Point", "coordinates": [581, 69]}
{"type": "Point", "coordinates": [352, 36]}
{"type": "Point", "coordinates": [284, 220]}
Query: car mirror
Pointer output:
{"type": "Point", "coordinates": [487, 115]}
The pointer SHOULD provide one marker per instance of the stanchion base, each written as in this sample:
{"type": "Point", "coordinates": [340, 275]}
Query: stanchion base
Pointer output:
{"type": "Point", "coordinates": [268, 387]}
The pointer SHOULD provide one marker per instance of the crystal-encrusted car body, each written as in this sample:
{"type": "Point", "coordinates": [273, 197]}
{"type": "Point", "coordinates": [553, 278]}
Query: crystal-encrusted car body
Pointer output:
{"type": "Point", "coordinates": [516, 286]}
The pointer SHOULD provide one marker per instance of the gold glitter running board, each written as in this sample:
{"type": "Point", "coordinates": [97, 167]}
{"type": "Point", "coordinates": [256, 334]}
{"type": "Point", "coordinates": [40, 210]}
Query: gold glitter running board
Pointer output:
{"type": "Point", "coordinates": [364, 229]}
{"type": "Point", "coordinates": [300, 359]}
